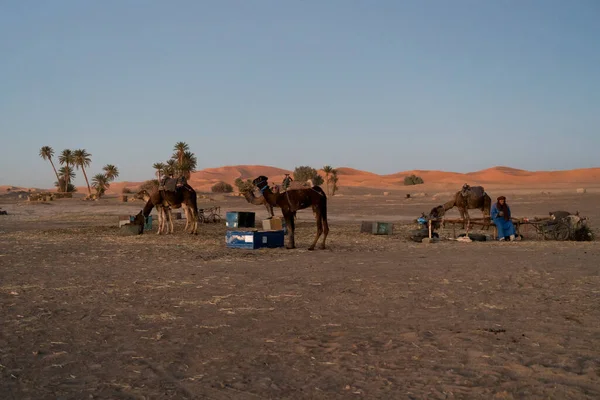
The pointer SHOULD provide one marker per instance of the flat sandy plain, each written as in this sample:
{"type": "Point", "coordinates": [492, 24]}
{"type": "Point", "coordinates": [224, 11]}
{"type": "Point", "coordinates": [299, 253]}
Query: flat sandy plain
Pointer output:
{"type": "Point", "coordinates": [88, 313]}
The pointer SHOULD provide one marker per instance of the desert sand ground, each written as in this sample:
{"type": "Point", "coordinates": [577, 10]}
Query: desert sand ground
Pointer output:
{"type": "Point", "coordinates": [88, 313]}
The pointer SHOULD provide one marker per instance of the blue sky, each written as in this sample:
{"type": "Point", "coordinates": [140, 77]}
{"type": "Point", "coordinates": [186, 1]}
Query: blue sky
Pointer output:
{"type": "Point", "coordinates": [379, 85]}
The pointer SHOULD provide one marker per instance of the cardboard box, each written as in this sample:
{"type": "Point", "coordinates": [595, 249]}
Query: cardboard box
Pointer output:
{"type": "Point", "coordinates": [273, 224]}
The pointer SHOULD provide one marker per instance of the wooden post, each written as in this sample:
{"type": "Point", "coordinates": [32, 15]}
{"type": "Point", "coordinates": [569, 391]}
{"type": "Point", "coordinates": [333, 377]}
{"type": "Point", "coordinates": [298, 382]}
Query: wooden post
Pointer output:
{"type": "Point", "coordinates": [429, 224]}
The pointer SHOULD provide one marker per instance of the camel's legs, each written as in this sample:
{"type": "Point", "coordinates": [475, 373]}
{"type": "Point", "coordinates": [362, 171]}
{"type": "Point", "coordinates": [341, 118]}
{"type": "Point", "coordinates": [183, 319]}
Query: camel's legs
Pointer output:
{"type": "Point", "coordinates": [187, 221]}
{"type": "Point", "coordinates": [163, 213]}
{"type": "Point", "coordinates": [169, 218]}
{"type": "Point", "coordinates": [195, 221]}
{"type": "Point", "coordinates": [325, 230]}
{"type": "Point", "coordinates": [161, 220]}
{"type": "Point", "coordinates": [463, 216]}
{"type": "Point", "coordinates": [319, 220]}
{"type": "Point", "coordinates": [193, 217]}
{"type": "Point", "coordinates": [289, 220]}
{"type": "Point", "coordinates": [188, 217]}
{"type": "Point", "coordinates": [159, 211]}
{"type": "Point", "coordinates": [468, 219]}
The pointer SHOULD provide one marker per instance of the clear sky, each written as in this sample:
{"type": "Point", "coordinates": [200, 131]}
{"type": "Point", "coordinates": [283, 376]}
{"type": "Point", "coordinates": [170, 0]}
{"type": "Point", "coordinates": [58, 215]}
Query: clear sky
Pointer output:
{"type": "Point", "coordinates": [379, 85]}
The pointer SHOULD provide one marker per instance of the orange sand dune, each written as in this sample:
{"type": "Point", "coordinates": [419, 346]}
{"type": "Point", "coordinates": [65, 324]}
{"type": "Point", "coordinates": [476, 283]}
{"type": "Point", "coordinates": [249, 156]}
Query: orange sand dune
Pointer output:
{"type": "Point", "coordinates": [203, 180]}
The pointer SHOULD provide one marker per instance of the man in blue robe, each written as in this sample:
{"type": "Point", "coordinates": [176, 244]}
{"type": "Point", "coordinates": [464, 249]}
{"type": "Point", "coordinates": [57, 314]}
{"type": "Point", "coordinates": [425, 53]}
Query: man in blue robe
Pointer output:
{"type": "Point", "coordinates": [501, 218]}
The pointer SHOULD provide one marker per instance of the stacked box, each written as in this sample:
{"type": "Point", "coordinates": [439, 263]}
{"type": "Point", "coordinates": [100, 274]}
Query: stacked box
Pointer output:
{"type": "Point", "coordinates": [254, 239]}
{"type": "Point", "coordinates": [274, 224]}
{"type": "Point", "coordinates": [239, 219]}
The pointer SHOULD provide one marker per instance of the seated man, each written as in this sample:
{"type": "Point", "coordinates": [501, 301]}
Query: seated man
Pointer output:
{"type": "Point", "coordinates": [286, 182]}
{"type": "Point", "coordinates": [500, 214]}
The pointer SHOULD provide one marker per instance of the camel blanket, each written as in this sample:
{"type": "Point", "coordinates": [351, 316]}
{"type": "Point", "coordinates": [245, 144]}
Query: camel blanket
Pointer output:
{"type": "Point", "coordinates": [476, 191]}
{"type": "Point", "coordinates": [169, 184]}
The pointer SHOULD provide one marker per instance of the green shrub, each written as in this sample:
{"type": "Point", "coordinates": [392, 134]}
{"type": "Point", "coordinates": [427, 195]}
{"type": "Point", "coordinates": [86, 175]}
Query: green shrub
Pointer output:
{"type": "Point", "coordinates": [413, 180]}
{"type": "Point", "coordinates": [222, 187]}
{"type": "Point", "coordinates": [244, 186]}
{"type": "Point", "coordinates": [304, 173]}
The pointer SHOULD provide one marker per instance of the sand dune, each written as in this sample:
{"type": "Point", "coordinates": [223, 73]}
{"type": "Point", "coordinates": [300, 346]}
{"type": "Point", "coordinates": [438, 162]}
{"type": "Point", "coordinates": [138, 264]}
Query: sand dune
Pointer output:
{"type": "Point", "coordinates": [203, 180]}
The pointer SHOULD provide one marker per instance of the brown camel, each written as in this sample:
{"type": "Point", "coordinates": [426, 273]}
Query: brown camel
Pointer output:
{"type": "Point", "coordinates": [293, 200]}
{"type": "Point", "coordinates": [164, 213]}
{"type": "Point", "coordinates": [470, 197]}
{"type": "Point", "coordinates": [258, 201]}
{"type": "Point", "coordinates": [184, 197]}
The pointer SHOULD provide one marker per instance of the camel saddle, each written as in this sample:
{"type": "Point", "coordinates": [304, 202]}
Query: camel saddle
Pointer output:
{"type": "Point", "coordinates": [169, 185]}
{"type": "Point", "coordinates": [477, 191]}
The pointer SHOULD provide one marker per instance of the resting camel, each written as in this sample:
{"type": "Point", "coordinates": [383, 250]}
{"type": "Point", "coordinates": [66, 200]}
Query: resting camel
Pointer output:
{"type": "Point", "coordinates": [257, 201]}
{"type": "Point", "coordinates": [470, 197]}
{"type": "Point", "coordinates": [184, 197]}
{"type": "Point", "coordinates": [291, 201]}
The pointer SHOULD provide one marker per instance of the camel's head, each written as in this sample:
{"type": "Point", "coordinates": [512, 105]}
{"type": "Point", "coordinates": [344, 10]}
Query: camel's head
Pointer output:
{"type": "Point", "coordinates": [261, 182]}
{"type": "Point", "coordinates": [139, 219]}
{"type": "Point", "coordinates": [142, 195]}
{"type": "Point", "coordinates": [435, 214]}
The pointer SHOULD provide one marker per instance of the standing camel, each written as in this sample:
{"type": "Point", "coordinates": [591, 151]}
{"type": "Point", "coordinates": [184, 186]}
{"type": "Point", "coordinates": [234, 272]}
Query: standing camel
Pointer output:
{"type": "Point", "coordinates": [291, 201]}
{"type": "Point", "coordinates": [470, 197]}
{"type": "Point", "coordinates": [164, 213]}
{"type": "Point", "coordinates": [184, 197]}
{"type": "Point", "coordinates": [258, 201]}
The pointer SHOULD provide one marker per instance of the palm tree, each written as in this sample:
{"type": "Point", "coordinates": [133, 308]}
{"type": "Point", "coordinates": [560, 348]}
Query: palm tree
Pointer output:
{"type": "Point", "coordinates": [100, 183]}
{"type": "Point", "coordinates": [82, 160]}
{"type": "Point", "coordinates": [160, 168]}
{"type": "Point", "coordinates": [327, 169]}
{"type": "Point", "coordinates": [171, 166]}
{"type": "Point", "coordinates": [334, 180]}
{"type": "Point", "coordinates": [66, 175]}
{"type": "Point", "coordinates": [67, 158]}
{"type": "Point", "coordinates": [111, 172]}
{"type": "Point", "coordinates": [188, 164]}
{"type": "Point", "coordinates": [180, 149]}
{"type": "Point", "coordinates": [47, 152]}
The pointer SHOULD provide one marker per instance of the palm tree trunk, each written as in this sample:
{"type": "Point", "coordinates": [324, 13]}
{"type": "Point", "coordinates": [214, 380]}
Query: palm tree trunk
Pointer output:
{"type": "Point", "coordinates": [86, 181]}
{"type": "Point", "coordinates": [68, 177]}
{"type": "Point", "coordinates": [55, 173]}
